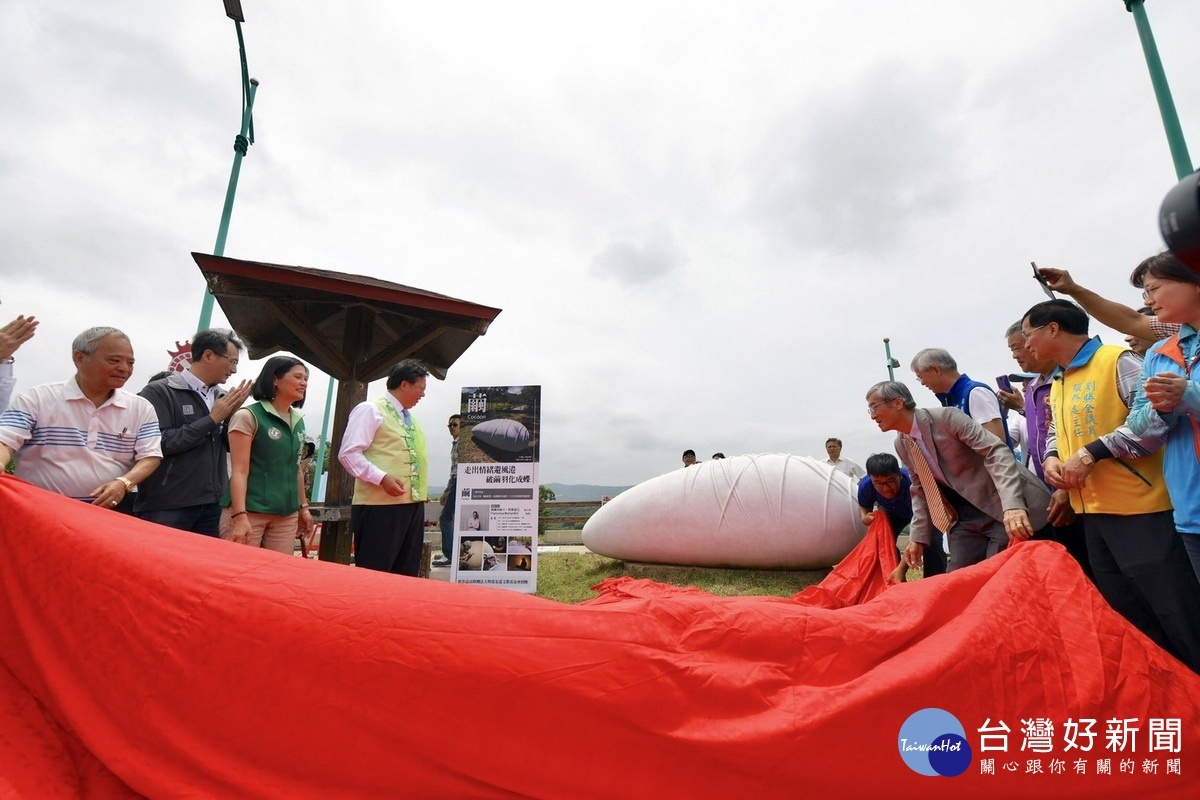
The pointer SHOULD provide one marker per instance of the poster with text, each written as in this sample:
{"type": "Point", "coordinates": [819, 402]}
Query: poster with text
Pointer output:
{"type": "Point", "coordinates": [496, 515]}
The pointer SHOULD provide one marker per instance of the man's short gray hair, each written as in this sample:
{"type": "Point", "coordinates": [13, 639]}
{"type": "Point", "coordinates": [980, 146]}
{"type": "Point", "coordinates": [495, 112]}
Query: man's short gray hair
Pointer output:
{"type": "Point", "coordinates": [1014, 328]}
{"type": "Point", "coordinates": [890, 390]}
{"type": "Point", "coordinates": [933, 357]}
{"type": "Point", "coordinates": [86, 342]}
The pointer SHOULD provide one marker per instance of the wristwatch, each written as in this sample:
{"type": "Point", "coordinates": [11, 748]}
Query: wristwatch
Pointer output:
{"type": "Point", "coordinates": [1085, 458]}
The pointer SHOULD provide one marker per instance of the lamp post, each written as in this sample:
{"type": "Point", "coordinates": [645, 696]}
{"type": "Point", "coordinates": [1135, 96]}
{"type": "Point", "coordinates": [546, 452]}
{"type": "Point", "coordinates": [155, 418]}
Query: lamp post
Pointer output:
{"type": "Point", "coordinates": [241, 144]}
{"type": "Point", "coordinates": [892, 363]}
{"type": "Point", "coordinates": [1162, 92]}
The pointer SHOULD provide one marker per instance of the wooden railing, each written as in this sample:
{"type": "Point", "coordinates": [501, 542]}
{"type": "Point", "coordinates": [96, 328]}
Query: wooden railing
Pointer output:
{"type": "Point", "coordinates": [556, 529]}
{"type": "Point", "coordinates": [554, 521]}
{"type": "Point", "coordinates": [562, 529]}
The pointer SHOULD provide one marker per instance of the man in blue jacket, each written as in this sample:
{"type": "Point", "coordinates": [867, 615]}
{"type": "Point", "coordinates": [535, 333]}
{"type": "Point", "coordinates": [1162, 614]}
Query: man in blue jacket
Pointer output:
{"type": "Point", "coordinates": [938, 372]}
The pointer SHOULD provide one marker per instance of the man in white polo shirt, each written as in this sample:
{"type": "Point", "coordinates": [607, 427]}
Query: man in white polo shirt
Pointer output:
{"type": "Point", "coordinates": [85, 437]}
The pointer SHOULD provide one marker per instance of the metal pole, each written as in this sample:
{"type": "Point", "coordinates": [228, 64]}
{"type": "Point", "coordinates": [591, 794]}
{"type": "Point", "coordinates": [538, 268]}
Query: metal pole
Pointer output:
{"type": "Point", "coordinates": [891, 362]}
{"type": "Point", "coordinates": [241, 145]}
{"type": "Point", "coordinates": [324, 439]}
{"type": "Point", "coordinates": [1162, 92]}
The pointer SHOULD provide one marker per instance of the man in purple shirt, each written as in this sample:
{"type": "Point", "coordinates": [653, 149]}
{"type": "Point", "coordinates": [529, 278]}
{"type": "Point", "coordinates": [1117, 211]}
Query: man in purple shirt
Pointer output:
{"type": "Point", "coordinates": [1034, 404]}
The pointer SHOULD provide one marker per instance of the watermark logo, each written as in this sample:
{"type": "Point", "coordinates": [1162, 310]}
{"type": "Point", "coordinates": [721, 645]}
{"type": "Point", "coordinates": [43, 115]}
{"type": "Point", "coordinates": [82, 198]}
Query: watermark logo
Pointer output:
{"type": "Point", "coordinates": [181, 357]}
{"type": "Point", "coordinates": [933, 742]}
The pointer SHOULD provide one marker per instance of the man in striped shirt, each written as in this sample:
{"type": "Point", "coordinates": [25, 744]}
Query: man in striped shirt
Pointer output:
{"type": "Point", "coordinates": [85, 437]}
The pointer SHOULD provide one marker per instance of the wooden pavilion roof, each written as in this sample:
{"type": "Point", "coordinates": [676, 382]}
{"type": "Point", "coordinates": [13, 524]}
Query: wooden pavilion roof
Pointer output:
{"type": "Point", "coordinates": [353, 327]}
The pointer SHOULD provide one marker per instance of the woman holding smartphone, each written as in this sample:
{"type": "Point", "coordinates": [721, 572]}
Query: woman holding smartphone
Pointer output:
{"type": "Point", "coordinates": [265, 505]}
{"type": "Point", "coordinates": [1168, 396]}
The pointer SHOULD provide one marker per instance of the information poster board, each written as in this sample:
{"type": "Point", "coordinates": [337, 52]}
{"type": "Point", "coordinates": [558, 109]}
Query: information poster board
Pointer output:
{"type": "Point", "coordinates": [496, 513]}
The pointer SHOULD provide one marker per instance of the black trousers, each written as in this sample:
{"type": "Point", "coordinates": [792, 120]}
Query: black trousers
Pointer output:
{"type": "Point", "coordinates": [1071, 537]}
{"type": "Point", "coordinates": [1141, 567]}
{"type": "Point", "coordinates": [389, 538]}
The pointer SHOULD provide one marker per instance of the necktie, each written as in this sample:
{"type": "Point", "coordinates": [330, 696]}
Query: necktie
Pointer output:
{"type": "Point", "coordinates": [940, 512]}
{"type": "Point", "coordinates": [407, 418]}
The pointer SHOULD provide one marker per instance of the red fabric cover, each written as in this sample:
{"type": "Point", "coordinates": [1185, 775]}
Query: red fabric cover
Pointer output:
{"type": "Point", "coordinates": [859, 576]}
{"type": "Point", "coordinates": [140, 660]}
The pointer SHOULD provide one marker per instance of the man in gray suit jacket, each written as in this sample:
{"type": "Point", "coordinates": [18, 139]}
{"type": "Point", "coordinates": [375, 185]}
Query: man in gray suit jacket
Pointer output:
{"type": "Point", "coordinates": [997, 501]}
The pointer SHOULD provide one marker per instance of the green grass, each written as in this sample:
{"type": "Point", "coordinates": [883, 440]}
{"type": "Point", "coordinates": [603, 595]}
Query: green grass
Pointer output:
{"type": "Point", "coordinates": [568, 577]}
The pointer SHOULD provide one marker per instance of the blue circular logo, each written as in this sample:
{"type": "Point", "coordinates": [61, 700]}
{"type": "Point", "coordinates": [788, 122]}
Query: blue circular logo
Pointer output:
{"type": "Point", "coordinates": [933, 742]}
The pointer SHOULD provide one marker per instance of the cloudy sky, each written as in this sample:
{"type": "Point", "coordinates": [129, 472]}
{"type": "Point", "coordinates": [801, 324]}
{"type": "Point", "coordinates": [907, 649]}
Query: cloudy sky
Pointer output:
{"type": "Point", "coordinates": [701, 219]}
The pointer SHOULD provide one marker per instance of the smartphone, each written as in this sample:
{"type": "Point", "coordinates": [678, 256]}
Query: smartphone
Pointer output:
{"type": "Point", "coordinates": [1042, 281]}
{"type": "Point", "coordinates": [1004, 383]}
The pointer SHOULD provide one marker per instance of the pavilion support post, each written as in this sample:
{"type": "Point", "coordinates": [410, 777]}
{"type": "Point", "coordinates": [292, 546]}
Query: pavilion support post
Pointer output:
{"type": "Point", "coordinates": [336, 536]}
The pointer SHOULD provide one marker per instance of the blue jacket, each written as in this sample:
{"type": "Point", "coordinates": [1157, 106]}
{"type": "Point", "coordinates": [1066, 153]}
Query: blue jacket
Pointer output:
{"type": "Point", "coordinates": [1181, 461]}
{"type": "Point", "coordinates": [959, 397]}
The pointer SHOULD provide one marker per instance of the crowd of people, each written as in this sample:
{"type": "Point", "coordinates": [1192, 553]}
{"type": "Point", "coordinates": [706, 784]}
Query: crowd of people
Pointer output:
{"type": "Point", "coordinates": [1105, 460]}
{"type": "Point", "coordinates": [1099, 450]}
{"type": "Point", "coordinates": [189, 454]}
{"type": "Point", "coordinates": [1095, 446]}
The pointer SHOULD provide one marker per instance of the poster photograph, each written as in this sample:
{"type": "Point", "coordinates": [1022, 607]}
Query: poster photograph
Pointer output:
{"type": "Point", "coordinates": [495, 525]}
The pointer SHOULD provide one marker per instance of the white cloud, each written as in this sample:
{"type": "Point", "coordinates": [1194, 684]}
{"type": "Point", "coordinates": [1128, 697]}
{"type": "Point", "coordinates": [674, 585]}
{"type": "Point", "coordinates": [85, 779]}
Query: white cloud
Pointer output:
{"type": "Point", "coordinates": [653, 259]}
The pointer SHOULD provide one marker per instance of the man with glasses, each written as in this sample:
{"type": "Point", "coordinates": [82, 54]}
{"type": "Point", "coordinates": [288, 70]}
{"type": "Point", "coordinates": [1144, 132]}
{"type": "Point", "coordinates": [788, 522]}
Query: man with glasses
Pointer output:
{"type": "Point", "coordinates": [446, 520]}
{"type": "Point", "coordinates": [1115, 479]}
{"type": "Point", "coordinates": [1034, 404]}
{"type": "Point", "coordinates": [937, 371]}
{"type": "Point", "coordinates": [887, 488]}
{"type": "Point", "coordinates": [185, 491]}
{"type": "Point", "coordinates": [965, 481]}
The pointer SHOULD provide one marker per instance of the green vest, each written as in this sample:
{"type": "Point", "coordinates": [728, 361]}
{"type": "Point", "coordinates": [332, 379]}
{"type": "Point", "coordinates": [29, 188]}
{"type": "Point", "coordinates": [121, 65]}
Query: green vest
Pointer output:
{"type": "Point", "coordinates": [271, 486]}
{"type": "Point", "coordinates": [398, 450]}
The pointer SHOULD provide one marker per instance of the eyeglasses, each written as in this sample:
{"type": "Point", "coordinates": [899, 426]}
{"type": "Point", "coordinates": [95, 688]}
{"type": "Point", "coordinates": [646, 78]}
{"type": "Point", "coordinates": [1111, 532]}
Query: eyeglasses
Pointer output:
{"type": "Point", "coordinates": [872, 406]}
{"type": "Point", "coordinates": [1149, 291]}
{"type": "Point", "coordinates": [452, 425]}
{"type": "Point", "coordinates": [232, 361]}
{"type": "Point", "coordinates": [1025, 334]}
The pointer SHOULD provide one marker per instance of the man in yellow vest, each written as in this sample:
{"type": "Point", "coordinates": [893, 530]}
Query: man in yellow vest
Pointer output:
{"type": "Point", "coordinates": [1114, 479]}
{"type": "Point", "coordinates": [384, 449]}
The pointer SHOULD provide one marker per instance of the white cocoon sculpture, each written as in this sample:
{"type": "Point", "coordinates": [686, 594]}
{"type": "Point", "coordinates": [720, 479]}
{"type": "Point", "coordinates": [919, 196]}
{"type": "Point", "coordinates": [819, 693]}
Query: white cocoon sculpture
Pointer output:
{"type": "Point", "coordinates": [506, 434]}
{"type": "Point", "coordinates": [772, 511]}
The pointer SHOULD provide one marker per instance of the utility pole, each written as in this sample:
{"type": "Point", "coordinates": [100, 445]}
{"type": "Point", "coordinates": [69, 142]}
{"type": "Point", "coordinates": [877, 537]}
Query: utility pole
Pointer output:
{"type": "Point", "coordinates": [1162, 92]}
{"type": "Point", "coordinates": [892, 363]}
{"type": "Point", "coordinates": [241, 144]}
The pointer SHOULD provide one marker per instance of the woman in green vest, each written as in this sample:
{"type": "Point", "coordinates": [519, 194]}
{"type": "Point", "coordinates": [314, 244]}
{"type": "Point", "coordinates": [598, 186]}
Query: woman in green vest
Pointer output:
{"type": "Point", "coordinates": [265, 505]}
